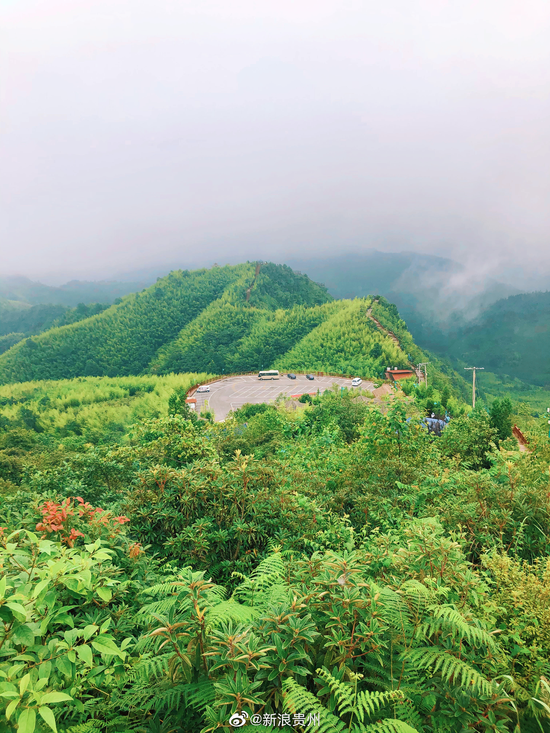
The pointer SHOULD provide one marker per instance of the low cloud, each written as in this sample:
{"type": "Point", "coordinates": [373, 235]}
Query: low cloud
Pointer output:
{"type": "Point", "coordinates": [141, 134]}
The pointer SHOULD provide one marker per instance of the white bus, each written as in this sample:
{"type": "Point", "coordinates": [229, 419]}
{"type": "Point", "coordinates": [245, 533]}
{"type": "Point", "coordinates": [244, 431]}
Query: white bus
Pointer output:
{"type": "Point", "coordinates": [273, 374]}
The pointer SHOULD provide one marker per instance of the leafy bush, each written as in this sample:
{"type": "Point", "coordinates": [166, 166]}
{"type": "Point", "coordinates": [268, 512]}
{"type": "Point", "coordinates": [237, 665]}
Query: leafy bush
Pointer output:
{"type": "Point", "coordinates": [501, 411]}
{"type": "Point", "coordinates": [470, 440]}
{"type": "Point", "coordinates": [58, 658]}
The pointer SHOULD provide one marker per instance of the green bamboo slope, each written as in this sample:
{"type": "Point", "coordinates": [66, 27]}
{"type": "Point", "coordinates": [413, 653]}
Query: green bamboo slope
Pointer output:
{"type": "Point", "coordinates": [224, 320]}
{"type": "Point", "coordinates": [96, 408]}
{"type": "Point", "coordinates": [125, 339]}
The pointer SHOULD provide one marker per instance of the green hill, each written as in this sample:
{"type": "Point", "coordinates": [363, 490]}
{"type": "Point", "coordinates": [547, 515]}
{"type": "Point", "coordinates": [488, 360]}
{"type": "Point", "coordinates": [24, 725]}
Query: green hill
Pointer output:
{"type": "Point", "coordinates": [347, 342]}
{"type": "Point", "coordinates": [512, 337]}
{"type": "Point", "coordinates": [125, 338]}
{"type": "Point", "coordinates": [226, 320]}
{"type": "Point", "coordinates": [21, 320]}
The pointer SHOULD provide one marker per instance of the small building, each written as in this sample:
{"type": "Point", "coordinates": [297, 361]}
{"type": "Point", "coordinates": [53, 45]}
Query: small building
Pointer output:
{"type": "Point", "coordinates": [396, 375]}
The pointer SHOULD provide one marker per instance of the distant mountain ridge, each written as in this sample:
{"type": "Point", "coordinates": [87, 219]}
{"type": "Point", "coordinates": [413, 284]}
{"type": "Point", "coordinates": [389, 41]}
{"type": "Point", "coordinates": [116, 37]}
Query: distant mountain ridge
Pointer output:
{"type": "Point", "coordinates": [433, 294]}
{"type": "Point", "coordinates": [511, 337]}
{"type": "Point", "coordinates": [22, 290]}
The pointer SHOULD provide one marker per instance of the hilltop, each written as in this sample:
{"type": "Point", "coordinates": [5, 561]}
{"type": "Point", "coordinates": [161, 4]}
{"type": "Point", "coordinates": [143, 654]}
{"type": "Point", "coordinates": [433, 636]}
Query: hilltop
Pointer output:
{"type": "Point", "coordinates": [225, 320]}
{"type": "Point", "coordinates": [126, 337]}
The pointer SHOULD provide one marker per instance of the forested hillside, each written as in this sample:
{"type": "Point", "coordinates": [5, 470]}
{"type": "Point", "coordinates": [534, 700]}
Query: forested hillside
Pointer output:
{"type": "Point", "coordinates": [19, 320]}
{"type": "Point", "coordinates": [432, 293]}
{"type": "Point", "coordinates": [125, 338]}
{"type": "Point", "coordinates": [229, 335]}
{"type": "Point", "coordinates": [226, 320]}
{"type": "Point", "coordinates": [511, 337]}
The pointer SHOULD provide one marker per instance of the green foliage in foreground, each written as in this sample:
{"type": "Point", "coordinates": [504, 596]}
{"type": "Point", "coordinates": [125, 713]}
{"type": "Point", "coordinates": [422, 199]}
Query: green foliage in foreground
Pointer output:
{"type": "Point", "coordinates": [333, 563]}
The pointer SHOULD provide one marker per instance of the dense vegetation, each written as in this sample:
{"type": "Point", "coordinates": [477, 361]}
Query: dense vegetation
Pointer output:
{"type": "Point", "coordinates": [429, 291]}
{"type": "Point", "coordinates": [510, 336]}
{"type": "Point", "coordinates": [91, 408]}
{"type": "Point", "coordinates": [325, 567]}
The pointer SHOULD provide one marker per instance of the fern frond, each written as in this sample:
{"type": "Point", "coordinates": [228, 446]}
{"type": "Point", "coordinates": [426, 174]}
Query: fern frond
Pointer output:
{"type": "Point", "coordinates": [299, 700]}
{"type": "Point", "coordinates": [369, 703]}
{"type": "Point", "coordinates": [199, 695]}
{"type": "Point", "coordinates": [160, 608]}
{"type": "Point", "coordinates": [365, 703]}
{"type": "Point", "coordinates": [170, 587]}
{"type": "Point", "coordinates": [178, 585]}
{"type": "Point", "coordinates": [90, 726]}
{"type": "Point", "coordinates": [398, 614]}
{"type": "Point", "coordinates": [452, 670]}
{"type": "Point", "coordinates": [271, 565]}
{"type": "Point", "coordinates": [376, 670]}
{"type": "Point", "coordinates": [265, 585]}
{"type": "Point", "coordinates": [152, 667]}
{"type": "Point", "coordinates": [407, 712]}
{"type": "Point", "coordinates": [169, 699]}
{"type": "Point", "coordinates": [417, 595]}
{"type": "Point", "coordinates": [231, 611]}
{"type": "Point", "coordinates": [447, 618]}
{"type": "Point", "coordinates": [342, 691]}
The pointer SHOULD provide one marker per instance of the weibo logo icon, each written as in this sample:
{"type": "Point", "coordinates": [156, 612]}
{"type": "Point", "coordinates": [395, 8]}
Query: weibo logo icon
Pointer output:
{"type": "Point", "coordinates": [237, 720]}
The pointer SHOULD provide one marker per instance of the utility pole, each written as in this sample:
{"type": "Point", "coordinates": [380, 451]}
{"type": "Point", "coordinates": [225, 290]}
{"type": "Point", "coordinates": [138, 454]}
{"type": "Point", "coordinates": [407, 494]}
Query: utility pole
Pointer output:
{"type": "Point", "coordinates": [474, 370]}
{"type": "Point", "coordinates": [424, 364]}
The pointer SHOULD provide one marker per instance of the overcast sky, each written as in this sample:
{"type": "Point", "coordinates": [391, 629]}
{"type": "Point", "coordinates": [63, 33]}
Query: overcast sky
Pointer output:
{"type": "Point", "coordinates": [138, 132]}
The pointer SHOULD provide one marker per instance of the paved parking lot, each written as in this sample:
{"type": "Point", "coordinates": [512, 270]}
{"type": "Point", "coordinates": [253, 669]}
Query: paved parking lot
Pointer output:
{"type": "Point", "coordinates": [234, 392]}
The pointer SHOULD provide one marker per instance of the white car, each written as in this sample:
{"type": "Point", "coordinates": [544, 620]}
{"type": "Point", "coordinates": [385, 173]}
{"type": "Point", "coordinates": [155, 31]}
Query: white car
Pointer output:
{"type": "Point", "coordinates": [203, 388]}
{"type": "Point", "coordinates": [356, 382]}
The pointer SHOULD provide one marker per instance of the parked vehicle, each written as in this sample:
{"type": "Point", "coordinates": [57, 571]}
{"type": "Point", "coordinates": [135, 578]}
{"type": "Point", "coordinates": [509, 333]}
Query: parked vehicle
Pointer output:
{"type": "Point", "coordinates": [310, 376]}
{"type": "Point", "coordinates": [203, 388]}
{"type": "Point", "coordinates": [291, 376]}
{"type": "Point", "coordinates": [271, 374]}
{"type": "Point", "coordinates": [356, 382]}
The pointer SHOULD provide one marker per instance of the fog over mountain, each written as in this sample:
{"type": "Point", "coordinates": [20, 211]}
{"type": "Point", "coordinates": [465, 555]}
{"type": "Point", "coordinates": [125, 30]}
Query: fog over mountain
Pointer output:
{"type": "Point", "coordinates": [140, 134]}
{"type": "Point", "coordinates": [433, 289]}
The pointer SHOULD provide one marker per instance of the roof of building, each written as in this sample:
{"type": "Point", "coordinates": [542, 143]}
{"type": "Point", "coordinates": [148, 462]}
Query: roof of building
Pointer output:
{"type": "Point", "coordinates": [400, 373]}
